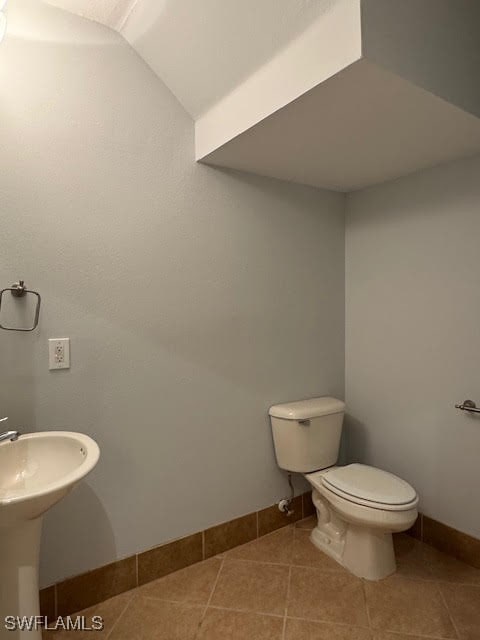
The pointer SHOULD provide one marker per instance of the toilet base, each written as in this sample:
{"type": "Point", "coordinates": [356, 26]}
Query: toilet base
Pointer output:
{"type": "Point", "coordinates": [358, 538]}
{"type": "Point", "coordinates": [367, 553]}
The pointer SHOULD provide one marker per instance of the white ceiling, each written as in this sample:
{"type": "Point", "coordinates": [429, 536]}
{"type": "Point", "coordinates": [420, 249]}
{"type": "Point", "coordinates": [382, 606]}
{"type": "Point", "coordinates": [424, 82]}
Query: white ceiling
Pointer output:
{"type": "Point", "coordinates": [202, 49]}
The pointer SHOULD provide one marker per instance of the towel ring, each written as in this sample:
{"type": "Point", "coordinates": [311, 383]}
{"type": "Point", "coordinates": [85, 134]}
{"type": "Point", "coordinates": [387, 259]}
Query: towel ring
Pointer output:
{"type": "Point", "coordinates": [19, 290]}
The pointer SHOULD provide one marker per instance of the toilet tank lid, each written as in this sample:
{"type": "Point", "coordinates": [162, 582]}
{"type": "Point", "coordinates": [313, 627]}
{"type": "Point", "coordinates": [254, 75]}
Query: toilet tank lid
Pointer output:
{"type": "Point", "coordinates": [306, 409]}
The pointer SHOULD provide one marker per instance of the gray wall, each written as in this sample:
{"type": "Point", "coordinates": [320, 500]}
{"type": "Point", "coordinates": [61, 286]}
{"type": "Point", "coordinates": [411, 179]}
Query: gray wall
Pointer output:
{"type": "Point", "coordinates": [194, 298]}
{"type": "Point", "coordinates": [433, 43]}
{"type": "Point", "coordinates": [413, 335]}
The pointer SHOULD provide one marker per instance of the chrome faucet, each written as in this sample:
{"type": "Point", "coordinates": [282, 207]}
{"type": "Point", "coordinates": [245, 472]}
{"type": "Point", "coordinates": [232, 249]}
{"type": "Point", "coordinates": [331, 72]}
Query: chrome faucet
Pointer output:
{"type": "Point", "coordinates": [8, 435]}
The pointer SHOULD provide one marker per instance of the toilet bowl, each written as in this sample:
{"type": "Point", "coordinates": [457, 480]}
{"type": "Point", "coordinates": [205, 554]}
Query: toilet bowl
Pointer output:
{"type": "Point", "coordinates": [358, 507]}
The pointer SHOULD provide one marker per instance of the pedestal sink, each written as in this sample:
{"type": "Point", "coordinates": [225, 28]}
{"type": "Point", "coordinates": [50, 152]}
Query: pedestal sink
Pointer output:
{"type": "Point", "coordinates": [36, 471]}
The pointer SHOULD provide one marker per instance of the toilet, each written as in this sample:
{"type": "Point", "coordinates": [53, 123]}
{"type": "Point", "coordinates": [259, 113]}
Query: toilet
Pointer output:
{"type": "Point", "coordinates": [358, 506]}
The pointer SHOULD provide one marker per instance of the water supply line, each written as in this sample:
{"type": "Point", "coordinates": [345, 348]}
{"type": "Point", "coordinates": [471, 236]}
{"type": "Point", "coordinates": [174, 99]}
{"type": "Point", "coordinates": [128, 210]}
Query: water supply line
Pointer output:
{"type": "Point", "coordinates": [285, 505]}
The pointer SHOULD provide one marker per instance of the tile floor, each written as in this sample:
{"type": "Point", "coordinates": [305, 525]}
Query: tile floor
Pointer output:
{"type": "Point", "coordinates": [281, 587]}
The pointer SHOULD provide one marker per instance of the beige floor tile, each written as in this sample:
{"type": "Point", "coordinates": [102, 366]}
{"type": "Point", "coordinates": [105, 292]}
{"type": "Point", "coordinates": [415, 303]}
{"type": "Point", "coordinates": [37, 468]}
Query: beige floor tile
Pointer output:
{"type": "Point", "coordinates": [220, 624]}
{"type": "Point", "coordinates": [306, 630]}
{"type": "Point", "coordinates": [153, 619]}
{"type": "Point", "coordinates": [463, 602]}
{"type": "Point", "coordinates": [193, 584]}
{"type": "Point", "coordinates": [410, 557]}
{"type": "Point", "coordinates": [417, 560]}
{"type": "Point", "coordinates": [251, 586]}
{"type": "Point", "coordinates": [408, 606]}
{"type": "Point", "coordinates": [274, 547]}
{"type": "Point", "coordinates": [306, 554]}
{"type": "Point", "coordinates": [326, 596]}
{"type": "Point", "coordinates": [307, 523]}
{"type": "Point", "coordinates": [448, 569]}
{"type": "Point", "coordinates": [109, 611]}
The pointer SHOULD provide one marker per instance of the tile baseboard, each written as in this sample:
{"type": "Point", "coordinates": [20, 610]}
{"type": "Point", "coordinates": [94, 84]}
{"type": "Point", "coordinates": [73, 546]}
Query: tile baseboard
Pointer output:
{"type": "Point", "coordinates": [87, 589]}
{"type": "Point", "coordinates": [167, 558]}
{"type": "Point", "coordinates": [447, 539]}
{"type": "Point", "coordinates": [456, 543]}
{"type": "Point", "coordinates": [227, 535]}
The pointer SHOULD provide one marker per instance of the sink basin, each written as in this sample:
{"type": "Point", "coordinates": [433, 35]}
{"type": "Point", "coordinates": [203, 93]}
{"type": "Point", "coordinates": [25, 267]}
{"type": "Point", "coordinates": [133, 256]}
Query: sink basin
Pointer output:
{"type": "Point", "coordinates": [39, 469]}
{"type": "Point", "coordinates": [36, 471]}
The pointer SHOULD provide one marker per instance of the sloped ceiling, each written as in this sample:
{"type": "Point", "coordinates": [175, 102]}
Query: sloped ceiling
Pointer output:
{"type": "Point", "coordinates": [202, 49]}
{"type": "Point", "coordinates": [112, 13]}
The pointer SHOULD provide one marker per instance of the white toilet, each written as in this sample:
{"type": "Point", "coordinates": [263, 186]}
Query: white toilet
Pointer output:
{"type": "Point", "coordinates": [358, 507]}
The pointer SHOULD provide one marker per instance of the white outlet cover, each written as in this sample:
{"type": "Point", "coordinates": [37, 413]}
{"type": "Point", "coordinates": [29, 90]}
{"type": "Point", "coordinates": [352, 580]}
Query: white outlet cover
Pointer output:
{"type": "Point", "coordinates": [59, 353]}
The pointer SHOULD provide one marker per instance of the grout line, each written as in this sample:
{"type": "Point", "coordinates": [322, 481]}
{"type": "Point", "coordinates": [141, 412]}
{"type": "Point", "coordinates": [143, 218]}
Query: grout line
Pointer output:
{"type": "Point", "coordinates": [213, 588]}
{"type": "Point", "coordinates": [364, 590]}
{"type": "Point", "coordinates": [433, 580]}
{"type": "Point", "coordinates": [120, 616]}
{"type": "Point", "coordinates": [286, 602]}
{"type": "Point", "coordinates": [448, 610]}
{"type": "Point", "coordinates": [199, 626]}
{"type": "Point", "coordinates": [258, 530]}
{"type": "Point", "coordinates": [204, 613]}
{"type": "Point", "coordinates": [257, 613]}
{"type": "Point", "coordinates": [473, 585]}
{"type": "Point", "coordinates": [212, 606]}
{"type": "Point", "coordinates": [170, 600]}
{"type": "Point", "coordinates": [347, 625]}
{"type": "Point", "coordinates": [203, 545]}
{"type": "Point", "coordinates": [340, 570]}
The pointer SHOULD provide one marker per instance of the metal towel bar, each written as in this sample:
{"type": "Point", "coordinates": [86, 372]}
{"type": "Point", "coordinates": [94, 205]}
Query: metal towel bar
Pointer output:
{"type": "Point", "coordinates": [19, 290]}
{"type": "Point", "coordinates": [468, 405]}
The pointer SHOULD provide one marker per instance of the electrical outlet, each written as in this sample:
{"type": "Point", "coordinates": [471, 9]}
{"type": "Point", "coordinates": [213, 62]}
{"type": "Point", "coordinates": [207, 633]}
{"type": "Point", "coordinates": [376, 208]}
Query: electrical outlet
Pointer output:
{"type": "Point", "coordinates": [59, 353]}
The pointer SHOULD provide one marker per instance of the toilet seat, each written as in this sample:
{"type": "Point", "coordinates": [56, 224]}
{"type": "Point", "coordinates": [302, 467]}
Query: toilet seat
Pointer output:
{"type": "Point", "coordinates": [367, 486]}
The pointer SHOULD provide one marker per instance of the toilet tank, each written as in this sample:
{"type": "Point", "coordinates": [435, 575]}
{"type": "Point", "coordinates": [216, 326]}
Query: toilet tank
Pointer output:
{"type": "Point", "coordinates": [306, 434]}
